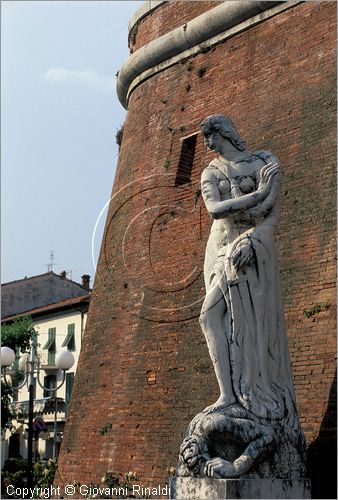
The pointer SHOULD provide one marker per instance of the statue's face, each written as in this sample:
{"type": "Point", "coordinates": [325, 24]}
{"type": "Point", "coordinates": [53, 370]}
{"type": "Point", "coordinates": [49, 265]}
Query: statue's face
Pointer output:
{"type": "Point", "coordinates": [214, 140]}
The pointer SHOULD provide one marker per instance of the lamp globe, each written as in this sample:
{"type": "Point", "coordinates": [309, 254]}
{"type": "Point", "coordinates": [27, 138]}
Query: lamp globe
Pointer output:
{"type": "Point", "coordinates": [64, 360]}
{"type": "Point", "coordinates": [7, 356]}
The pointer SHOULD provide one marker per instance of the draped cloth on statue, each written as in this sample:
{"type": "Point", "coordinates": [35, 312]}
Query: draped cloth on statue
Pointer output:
{"type": "Point", "coordinates": [254, 327]}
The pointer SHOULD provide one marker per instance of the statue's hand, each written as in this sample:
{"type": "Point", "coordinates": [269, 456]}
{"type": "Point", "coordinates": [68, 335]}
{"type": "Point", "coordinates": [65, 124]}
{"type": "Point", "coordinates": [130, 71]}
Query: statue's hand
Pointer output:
{"type": "Point", "coordinates": [268, 172]}
{"type": "Point", "coordinates": [220, 468]}
{"type": "Point", "coordinates": [242, 256]}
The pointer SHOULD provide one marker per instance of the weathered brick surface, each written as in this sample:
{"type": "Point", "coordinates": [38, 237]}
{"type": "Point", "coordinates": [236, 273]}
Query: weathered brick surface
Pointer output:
{"type": "Point", "coordinates": [144, 366]}
{"type": "Point", "coordinates": [169, 16]}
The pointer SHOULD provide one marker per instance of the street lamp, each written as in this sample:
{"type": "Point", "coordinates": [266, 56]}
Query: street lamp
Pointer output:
{"type": "Point", "coordinates": [30, 364]}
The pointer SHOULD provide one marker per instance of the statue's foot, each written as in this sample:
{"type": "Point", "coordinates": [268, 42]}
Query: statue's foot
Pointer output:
{"type": "Point", "coordinates": [222, 402]}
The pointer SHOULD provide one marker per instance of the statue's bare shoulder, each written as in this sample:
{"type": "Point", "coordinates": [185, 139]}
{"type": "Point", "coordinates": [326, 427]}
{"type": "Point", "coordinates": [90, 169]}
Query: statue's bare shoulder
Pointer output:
{"type": "Point", "coordinates": [266, 157]}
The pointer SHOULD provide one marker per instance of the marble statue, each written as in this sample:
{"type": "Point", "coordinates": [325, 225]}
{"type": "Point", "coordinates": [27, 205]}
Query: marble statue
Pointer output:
{"type": "Point", "coordinates": [253, 429]}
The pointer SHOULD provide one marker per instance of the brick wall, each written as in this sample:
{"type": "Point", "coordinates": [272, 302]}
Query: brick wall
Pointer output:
{"type": "Point", "coordinates": [169, 16]}
{"type": "Point", "coordinates": [144, 365]}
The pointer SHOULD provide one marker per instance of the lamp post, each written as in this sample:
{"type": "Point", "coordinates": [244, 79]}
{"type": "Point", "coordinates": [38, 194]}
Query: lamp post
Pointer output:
{"type": "Point", "coordinates": [30, 364]}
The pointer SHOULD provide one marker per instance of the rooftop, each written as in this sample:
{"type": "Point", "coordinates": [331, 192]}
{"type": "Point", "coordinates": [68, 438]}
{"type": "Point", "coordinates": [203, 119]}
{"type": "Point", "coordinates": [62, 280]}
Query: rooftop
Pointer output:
{"type": "Point", "coordinates": [29, 295]}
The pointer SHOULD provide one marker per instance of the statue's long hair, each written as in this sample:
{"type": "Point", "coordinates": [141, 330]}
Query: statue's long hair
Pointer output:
{"type": "Point", "coordinates": [225, 126]}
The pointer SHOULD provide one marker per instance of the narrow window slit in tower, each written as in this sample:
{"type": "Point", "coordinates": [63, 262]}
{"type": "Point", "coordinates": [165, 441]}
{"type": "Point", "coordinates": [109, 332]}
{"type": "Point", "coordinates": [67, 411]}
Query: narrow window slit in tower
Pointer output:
{"type": "Point", "coordinates": [184, 169]}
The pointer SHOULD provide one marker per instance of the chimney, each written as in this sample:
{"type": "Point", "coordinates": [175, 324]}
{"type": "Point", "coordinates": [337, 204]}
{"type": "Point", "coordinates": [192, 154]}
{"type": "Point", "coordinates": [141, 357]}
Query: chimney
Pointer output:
{"type": "Point", "coordinates": [63, 275]}
{"type": "Point", "coordinates": [85, 281]}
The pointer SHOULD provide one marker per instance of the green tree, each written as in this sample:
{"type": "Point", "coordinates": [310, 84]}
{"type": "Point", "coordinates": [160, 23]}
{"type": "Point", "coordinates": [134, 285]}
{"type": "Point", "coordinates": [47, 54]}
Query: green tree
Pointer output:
{"type": "Point", "coordinates": [16, 335]}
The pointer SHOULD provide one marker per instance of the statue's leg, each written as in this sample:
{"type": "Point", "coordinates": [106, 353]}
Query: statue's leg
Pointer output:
{"type": "Point", "coordinates": [213, 326]}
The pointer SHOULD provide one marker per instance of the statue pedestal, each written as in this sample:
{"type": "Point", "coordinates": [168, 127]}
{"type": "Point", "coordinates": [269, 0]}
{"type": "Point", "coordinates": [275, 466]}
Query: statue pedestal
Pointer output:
{"type": "Point", "coordinates": [196, 488]}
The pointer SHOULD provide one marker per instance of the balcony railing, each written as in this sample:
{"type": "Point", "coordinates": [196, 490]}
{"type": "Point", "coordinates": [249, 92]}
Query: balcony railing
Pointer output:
{"type": "Point", "coordinates": [44, 406]}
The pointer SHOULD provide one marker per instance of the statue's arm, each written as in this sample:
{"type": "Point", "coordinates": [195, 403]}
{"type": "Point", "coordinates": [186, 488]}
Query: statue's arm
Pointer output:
{"type": "Point", "coordinates": [265, 207]}
{"type": "Point", "coordinates": [260, 439]}
{"type": "Point", "coordinates": [209, 189]}
{"type": "Point", "coordinates": [257, 450]}
{"type": "Point", "coordinates": [218, 208]}
{"type": "Point", "coordinates": [269, 210]}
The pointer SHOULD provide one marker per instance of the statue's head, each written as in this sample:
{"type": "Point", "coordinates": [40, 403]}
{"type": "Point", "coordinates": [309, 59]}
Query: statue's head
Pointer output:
{"type": "Point", "coordinates": [193, 455]}
{"type": "Point", "coordinates": [225, 127]}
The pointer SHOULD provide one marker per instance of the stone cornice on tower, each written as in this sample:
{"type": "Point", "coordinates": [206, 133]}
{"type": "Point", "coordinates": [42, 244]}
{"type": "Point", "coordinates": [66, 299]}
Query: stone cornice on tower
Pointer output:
{"type": "Point", "coordinates": [143, 11]}
{"type": "Point", "coordinates": [208, 29]}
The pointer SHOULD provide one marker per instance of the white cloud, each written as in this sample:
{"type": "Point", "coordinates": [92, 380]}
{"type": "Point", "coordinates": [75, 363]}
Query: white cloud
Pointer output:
{"type": "Point", "coordinates": [87, 78]}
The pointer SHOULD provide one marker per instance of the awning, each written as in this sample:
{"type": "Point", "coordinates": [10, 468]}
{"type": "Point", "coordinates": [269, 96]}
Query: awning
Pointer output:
{"type": "Point", "coordinates": [51, 339]}
{"type": "Point", "coordinates": [68, 339]}
{"type": "Point", "coordinates": [50, 343]}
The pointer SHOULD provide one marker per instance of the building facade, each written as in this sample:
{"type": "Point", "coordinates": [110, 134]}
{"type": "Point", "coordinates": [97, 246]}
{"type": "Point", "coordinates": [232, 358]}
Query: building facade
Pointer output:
{"type": "Point", "coordinates": [59, 326]}
{"type": "Point", "coordinates": [271, 67]}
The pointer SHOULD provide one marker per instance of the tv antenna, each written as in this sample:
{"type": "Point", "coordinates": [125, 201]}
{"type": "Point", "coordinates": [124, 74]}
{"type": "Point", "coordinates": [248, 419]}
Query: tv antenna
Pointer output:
{"type": "Point", "coordinates": [51, 263]}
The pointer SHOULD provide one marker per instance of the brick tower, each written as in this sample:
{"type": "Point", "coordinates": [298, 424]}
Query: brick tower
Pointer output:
{"type": "Point", "coordinates": [144, 369]}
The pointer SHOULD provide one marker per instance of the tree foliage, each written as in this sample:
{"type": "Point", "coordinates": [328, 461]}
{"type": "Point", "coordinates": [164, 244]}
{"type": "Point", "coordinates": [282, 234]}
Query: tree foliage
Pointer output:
{"type": "Point", "coordinates": [16, 335]}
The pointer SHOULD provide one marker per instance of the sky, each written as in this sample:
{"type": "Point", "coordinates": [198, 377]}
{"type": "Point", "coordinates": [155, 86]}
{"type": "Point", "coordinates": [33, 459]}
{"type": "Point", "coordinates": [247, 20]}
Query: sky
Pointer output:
{"type": "Point", "coordinates": [59, 118]}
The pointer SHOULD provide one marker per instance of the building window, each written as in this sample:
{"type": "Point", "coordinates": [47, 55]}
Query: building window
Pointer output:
{"type": "Point", "coordinates": [184, 169]}
{"type": "Point", "coordinates": [69, 341]}
{"type": "Point", "coordinates": [51, 346]}
{"type": "Point", "coordinates": [50, 383]}
{"type": "Point", "coordinates": [69, 386]}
